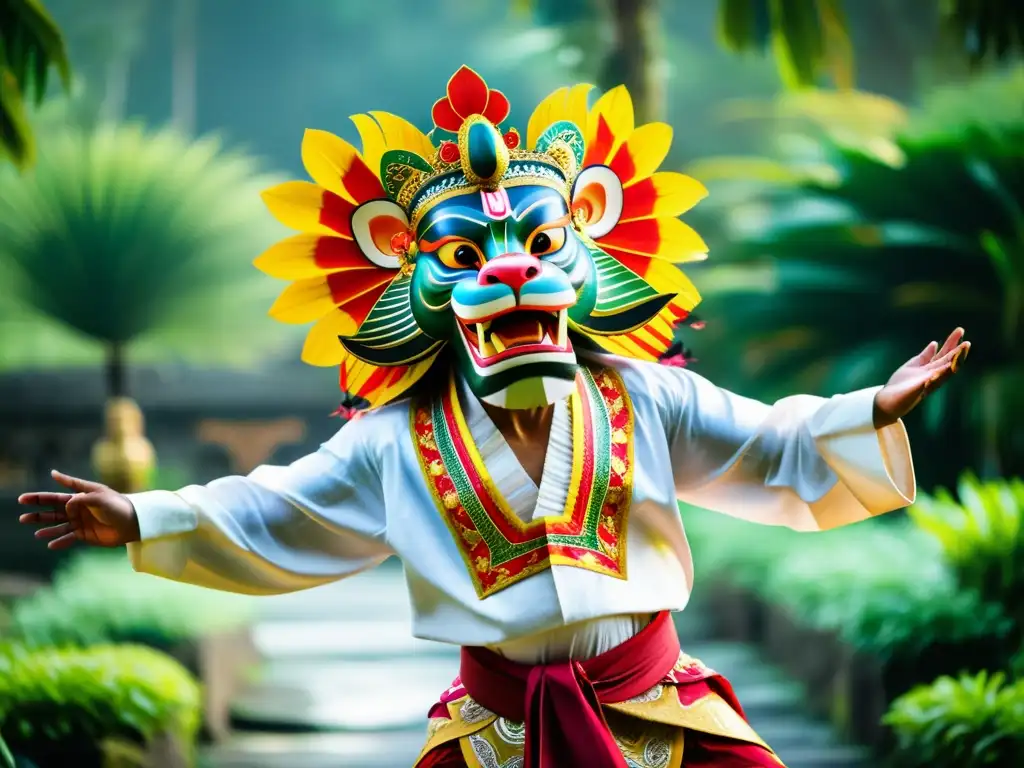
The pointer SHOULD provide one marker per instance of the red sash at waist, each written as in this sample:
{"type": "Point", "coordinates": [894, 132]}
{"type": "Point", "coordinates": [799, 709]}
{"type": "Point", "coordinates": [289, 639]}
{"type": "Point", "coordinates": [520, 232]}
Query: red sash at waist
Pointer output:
{"type": "Point", "coordinates": [560, 703]}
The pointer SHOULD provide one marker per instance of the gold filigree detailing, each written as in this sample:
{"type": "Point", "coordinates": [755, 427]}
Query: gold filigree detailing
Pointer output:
{"type": "Point", "coordinates": [436, 468]}
{"type": "Point", "coordinates": [643, 744]}
{"type": "Point", "coordinates": [427, 441]}
{"type": "Point", "coordinates": [451, 500]}
{"type": "Point", "coordinates": [510, 732]}
{"type": "Point", "coordinates": [685, 660]}
{"type": "Point", "coordinates": [434, 724]}
{"type": "Point", "coordinates": [472, 712]}
{"type": "Point", "coordinates": [619, 436]}
{"type": "Point", "coordinates": [657, 753]}
{"type": "Point", "coordinates": [562, 154]}
{"type": "Point", "coordinates": [472, 537]}
{"type": "Point", "coordinates": [709, 714]}
{"type": "Point", "coordinates": [653, 694]}
{"type": "Point", "coordinates": [487, 755]}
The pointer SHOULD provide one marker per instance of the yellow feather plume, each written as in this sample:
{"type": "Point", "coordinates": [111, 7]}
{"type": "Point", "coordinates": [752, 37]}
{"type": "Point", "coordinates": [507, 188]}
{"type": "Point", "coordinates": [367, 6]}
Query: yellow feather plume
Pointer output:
{"type": "Point", "coordinates": [676, 193]}
{"type": "Point", "coordinates": [648, 147]}
{"type": "Point", "coordinates": [399, 133]}
{"type": "Point", "coordinates": [541, 119]}
{"type": "Point", "coordinates": [322, 347]}
{"type": "Point", "coordinates": [327, 159]}
{"type": "Point", "coordinates": [296, 204]}
{"type": "Point", "coordinates": [303, 302]}
{"type": "Point", "coordinates": [616, 107]}
{"type": "Point", "coordinates": [372, 138]}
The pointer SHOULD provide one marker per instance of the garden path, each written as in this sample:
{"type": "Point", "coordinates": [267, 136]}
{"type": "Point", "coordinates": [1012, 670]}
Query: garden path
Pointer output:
{"type": "Point", "coordinates": [344, 685]}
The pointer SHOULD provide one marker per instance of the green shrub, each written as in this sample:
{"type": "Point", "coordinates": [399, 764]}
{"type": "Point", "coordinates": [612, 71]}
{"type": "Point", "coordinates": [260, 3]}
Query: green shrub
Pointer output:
{"type": "Point", "coordinates": [981, 537]}
{"type": "Point", "coordinates": [732, 549]}
{"type": "Point", "coordinates": [97, 598]}
{"type": "Point", "coordinates": [72, 699]}
{"type": "Point", "coordinates": [960, 723]}
{"type": "Point", "coordinates": [884, 587]}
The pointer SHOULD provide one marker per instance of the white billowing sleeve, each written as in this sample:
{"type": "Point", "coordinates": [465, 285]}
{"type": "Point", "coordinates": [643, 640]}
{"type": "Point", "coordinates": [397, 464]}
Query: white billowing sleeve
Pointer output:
{"type": "Point", "coordinates": [280, 529]}
{"type": "Point", "coordinates": [807, 463]}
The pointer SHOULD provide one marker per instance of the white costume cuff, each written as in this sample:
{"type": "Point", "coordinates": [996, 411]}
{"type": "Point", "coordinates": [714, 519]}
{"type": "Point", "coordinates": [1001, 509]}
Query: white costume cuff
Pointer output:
{"type": "Point", "coordinates": [874, 466]}
{"type": "Point", "coordinates": [164, 517]}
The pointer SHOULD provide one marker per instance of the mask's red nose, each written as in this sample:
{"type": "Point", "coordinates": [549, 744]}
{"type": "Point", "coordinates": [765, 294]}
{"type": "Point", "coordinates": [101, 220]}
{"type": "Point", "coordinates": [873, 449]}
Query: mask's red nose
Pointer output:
{"type": "Point", "coordinates": [512, 269]}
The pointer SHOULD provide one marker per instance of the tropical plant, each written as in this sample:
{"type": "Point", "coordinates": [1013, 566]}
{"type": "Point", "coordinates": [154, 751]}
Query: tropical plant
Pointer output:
{"type": "Point", "coordinates": [806, 38]}
{"type": "Point", "coordinates": [139, 240]}
{"type": "Point", "coordinates": [981, 536]}
{"type": "Point", "coordinates": [95, 599]}
{"type": "Point", "coordinates": [834, 270]}
{"type": "Point", "coordinates": [810, 38]}
{"type": "Point", "coordinates": [986, 28]}
{"type": "Point", "coordinates": [30, 45]}
{"type": "Point", "coordinates": [60, 703]}
{"type": "Point", "coordinates": [966, 722]}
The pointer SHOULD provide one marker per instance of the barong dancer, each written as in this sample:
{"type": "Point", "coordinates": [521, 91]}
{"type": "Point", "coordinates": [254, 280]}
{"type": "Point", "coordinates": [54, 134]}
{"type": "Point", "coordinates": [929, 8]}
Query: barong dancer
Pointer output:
{"type": "Point", "coordinates": [501, 305]}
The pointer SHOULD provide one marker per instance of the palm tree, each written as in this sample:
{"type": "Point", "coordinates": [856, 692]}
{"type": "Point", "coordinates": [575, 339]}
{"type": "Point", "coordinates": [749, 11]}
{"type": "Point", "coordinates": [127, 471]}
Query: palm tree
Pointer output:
{"type": "Point", "coordinates": [829, 273]}
{"type": "Point", "coordinates": [30, 45]}
{"type": "Point", "coordinates": [142, 243]}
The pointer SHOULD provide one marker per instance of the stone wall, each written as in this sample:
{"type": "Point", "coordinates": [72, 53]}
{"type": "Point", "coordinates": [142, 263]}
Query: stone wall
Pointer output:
{"type": "Point", "coordinates": [203, 424]}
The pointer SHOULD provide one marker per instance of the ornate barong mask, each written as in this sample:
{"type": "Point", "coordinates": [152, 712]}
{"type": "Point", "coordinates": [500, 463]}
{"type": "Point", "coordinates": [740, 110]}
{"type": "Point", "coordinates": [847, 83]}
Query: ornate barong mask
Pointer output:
{"type": "Point", "coordinates": [505, 252]}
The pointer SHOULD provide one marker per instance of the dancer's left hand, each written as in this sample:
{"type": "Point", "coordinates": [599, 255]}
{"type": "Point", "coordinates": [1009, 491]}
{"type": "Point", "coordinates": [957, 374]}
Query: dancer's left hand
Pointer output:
{"type": "Point", "coordinates": [919, 377]}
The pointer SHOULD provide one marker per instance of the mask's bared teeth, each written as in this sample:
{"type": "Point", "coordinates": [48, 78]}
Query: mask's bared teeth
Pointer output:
{"type": "Point", "coordinates": [496, 341]}
{"type": "Point", "coordinates": [480, 339]}
{"type": "Point", "coordinates": [563, 328]}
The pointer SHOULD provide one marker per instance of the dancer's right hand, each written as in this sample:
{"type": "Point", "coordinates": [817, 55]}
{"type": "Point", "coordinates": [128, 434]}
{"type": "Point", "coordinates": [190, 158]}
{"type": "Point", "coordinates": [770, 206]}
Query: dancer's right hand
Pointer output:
{"type": "Point", "coordinates": [91, 513]}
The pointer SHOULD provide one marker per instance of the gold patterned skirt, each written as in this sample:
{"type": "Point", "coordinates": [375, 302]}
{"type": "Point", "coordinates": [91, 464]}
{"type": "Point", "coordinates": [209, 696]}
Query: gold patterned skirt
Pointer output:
{"type": "Point", "coordinates": [689, 720]}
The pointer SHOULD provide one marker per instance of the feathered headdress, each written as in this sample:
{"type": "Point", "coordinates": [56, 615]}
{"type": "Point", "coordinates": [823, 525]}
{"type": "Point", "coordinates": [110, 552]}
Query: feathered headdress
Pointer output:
{"type": "Point", "coordinates": [350, 265]}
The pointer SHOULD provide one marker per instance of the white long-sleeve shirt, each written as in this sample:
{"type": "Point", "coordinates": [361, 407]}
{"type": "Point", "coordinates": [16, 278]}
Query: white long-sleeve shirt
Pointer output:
{"type": "Point", "coordinates": [807, 463]}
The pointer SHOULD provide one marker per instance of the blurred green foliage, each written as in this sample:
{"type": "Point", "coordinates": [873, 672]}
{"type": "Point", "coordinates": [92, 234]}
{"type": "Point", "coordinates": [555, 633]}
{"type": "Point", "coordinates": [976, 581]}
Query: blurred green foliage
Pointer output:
{"type": "Point", "coordinates": [807, 39]}
{"type": "Point", "coordinates": [882, 586]}
{"type": "Point", "coordinates": [981, 536]}
{"type": "Point", "coordinates": [96, 598]}
{"type": "Point", "coordinates": [936, 592]}
{"type": "Point", "coordinates": [128, 236]}
{"type": "Point", "coordinates": [986, 29]}
{"type": "Point", "coordinates": [964, 722]}
{"type": "Point", "coordinates": [64, 700]}
{"type": "Point", "coordinates": [860, 247]}
{"type": "Point", "coordinates": [30, 45]}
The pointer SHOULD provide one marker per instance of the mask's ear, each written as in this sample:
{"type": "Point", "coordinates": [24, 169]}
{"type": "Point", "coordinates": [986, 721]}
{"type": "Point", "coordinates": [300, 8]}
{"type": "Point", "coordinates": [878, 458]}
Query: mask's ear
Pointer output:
{"type": "Point", "coordinates": [597, 193]}
{"type": "Point", "coordinates": [374, 224]}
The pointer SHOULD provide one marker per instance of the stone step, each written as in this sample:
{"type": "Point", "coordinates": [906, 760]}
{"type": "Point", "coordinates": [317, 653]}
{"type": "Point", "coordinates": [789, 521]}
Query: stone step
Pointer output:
{"type": "Point", "coordinates": [794, 731]}
{"type": "Point", "coordinates": [380, 593]}
{"type": "Point", "coordinates": [826, 757]}
{"type": "Point", "coordinates": [761, 702]}
{"type": "Point", "coordinates": [367, 696]}
{"type": "Point", "coordinates": [364, 639]}
{"type": "Point", "coordinates": [327, 750]}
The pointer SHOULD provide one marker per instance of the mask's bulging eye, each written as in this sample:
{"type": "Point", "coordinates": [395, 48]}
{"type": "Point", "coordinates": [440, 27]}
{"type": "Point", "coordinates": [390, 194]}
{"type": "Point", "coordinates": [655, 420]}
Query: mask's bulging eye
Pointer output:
{"type": "Point", "coordinates": [459, 255]}
{"type": "Point", "coordinates": [547, 241]}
